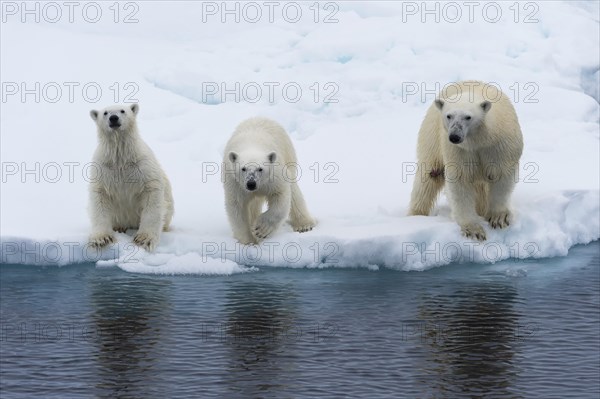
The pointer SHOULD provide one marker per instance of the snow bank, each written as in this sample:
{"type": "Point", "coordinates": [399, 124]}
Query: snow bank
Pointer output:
{"type": "Point", "coordinates": [545, 227]}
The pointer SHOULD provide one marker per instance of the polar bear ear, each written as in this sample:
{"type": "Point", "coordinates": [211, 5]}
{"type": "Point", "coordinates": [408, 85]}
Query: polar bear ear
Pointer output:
{"type": "Point", "coordinates": [135, 108]}
{"type": "Point", "coordinates": [439, 103]}
{"type": "Point", "coordinates": [272, 157]}
{"type": "Point", "coordinates": [233, 156]}
{"type": "Point", "coordinates": [485, 106]}
{"type": "Point", "coordinates": [94, 114]}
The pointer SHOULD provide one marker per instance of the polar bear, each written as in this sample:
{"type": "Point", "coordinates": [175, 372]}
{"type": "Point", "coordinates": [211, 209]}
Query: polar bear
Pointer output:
{"type": "Point", "coordinates": [259, 165]}
{"type": "Point", "coordinates": [128, 188]}
{"type": "Point", "coordinates": [471, 140]}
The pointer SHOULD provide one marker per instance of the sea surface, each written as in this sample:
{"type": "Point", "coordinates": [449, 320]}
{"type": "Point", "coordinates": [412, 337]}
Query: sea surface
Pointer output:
{"type": "Point", "coordinates": [516, 329]}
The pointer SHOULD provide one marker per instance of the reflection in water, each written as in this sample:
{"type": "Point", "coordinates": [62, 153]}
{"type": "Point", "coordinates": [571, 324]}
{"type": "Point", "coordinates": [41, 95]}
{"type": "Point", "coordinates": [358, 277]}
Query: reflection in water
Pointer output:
{"type": "Point", "coordinates": [470, 331]}
{"type": "Point", "coordinates": [472, 337]}
{"type": "Point", "coordinates": [261, 327]}
{"type": "Point", "coordinates": [129, 313]}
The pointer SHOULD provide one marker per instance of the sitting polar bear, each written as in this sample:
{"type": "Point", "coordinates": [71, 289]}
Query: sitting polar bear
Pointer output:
{"type": "Point", "coordinates": [128, 189]}
{"type": "Point", "coordinates": [260, 165]}
{"type": "Point", "coordinates": [470, 140]}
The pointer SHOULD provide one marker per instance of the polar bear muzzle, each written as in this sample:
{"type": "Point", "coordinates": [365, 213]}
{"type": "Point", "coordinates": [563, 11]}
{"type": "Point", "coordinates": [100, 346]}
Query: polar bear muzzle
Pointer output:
{"type": "Point", "coordinates": [114, 122]}
{"type": "Point", "coordinates": [251, 185]}
{"type": "Point", "coordinates": [457, 130]}
{"type": "Point", "coordinates": [455, 138]}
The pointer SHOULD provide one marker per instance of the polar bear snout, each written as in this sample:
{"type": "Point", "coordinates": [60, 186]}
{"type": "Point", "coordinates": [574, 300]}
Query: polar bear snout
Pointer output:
{"type": "Point", "coordinates": [455, 139]}
{"type": "Point", "coordinates": [251, 185]}
{"type": "Point", "coordinates": [457, 132]}
{"type": "Point", "coordinates": [114, 122]}
{"type": "Point", "coordinates": [250, 177]}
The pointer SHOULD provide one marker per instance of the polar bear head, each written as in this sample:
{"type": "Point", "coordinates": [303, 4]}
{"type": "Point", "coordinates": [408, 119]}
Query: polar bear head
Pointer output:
{"type": "Point", "coordinates": [461, 118]}
{"type": "Point", "coordinates": [253, 170]}
{"type": "Point", "coordinates": [117, 118]}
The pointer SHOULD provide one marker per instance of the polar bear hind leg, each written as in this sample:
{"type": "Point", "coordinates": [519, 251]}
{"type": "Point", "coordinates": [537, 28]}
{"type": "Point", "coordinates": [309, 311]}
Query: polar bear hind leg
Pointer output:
{"type": "Point", "coordinates": [300, 218]}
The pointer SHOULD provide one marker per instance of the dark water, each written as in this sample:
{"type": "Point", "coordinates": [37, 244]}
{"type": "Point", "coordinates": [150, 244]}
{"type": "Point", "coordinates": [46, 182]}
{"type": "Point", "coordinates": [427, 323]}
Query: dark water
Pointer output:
{"type": "Point", "coordinates": [510, 330]}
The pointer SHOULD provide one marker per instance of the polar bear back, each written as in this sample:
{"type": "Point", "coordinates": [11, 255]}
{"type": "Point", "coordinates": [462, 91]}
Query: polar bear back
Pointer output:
{"type": "Point", "coordinates": [262, 134]}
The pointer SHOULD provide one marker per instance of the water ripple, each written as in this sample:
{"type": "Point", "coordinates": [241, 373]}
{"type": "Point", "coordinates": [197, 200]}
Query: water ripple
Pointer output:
{"type": "Point", "coordinates": [471, 331]}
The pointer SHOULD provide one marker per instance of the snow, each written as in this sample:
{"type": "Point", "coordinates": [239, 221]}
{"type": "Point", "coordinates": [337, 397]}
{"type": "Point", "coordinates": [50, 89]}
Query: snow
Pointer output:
{"type": "Point", "coordinates": [379, 66]}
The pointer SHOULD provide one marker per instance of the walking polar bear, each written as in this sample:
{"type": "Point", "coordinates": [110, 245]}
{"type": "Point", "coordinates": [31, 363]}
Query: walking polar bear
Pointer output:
{"type": "Point", "coordinates": [129, 189]}
{"type": "Point", "coordinates": [260, 165]}
{"type": "Point", "coordinates": [471, 140]}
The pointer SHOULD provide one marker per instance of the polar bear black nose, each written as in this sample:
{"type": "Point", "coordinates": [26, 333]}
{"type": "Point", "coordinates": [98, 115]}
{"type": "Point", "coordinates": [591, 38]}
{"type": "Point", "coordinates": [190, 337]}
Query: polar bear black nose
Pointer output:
{"type": "Point", "coordinates": [454, 138]}
{"type": "Point", "coordinates": [251, 185]}
{"type": "Point", "coordinates": [113, 118]}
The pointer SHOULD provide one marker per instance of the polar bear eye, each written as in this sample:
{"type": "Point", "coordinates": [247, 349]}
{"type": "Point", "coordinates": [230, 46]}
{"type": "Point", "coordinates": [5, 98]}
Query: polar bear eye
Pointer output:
{"type": "Point", "coordinates": [468, 118]}
{"type": "Point", "coordinates": [105, 113]}
{"type": "Point", "coordinates": [122, 111]}
{"type": "Point", "coordinates": [243, 169]}
{"type": "Point", "coordinates": [449, 116]}
{"type": "Point", "coordinates": [260, 169]}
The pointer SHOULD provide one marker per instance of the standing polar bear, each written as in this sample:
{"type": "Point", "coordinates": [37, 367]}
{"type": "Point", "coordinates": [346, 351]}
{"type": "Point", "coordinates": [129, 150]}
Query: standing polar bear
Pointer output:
{"type": "Point", "coordinates": [129, 189]}
{"type": "Point", "coordinates": [470, 140]}
{"type": "Point", "coordinates": [260, 164]}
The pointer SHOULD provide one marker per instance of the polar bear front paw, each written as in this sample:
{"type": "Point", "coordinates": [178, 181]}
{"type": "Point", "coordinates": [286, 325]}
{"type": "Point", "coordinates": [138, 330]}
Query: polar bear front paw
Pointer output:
{"type": "Point", "coordinates": [474, 230]}
{"type": "Point", "coordinates": [304, 225]}
{"type": "Point", "coordinates": [101, 240]}
{"type": "Point", "coordinates": [148, 241]}
{"type": "Point", "coordinates": [499, 220]}
{"type": "Point", "coordinates": [263, 228]}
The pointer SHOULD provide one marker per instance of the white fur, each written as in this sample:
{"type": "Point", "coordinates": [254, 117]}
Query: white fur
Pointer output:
{"type": "Point", "coordinates": [481, 170]}
{"type": "Point", "coordinates": [260, 151]}
{"type": "Point", "coordinates": [129, 189]}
